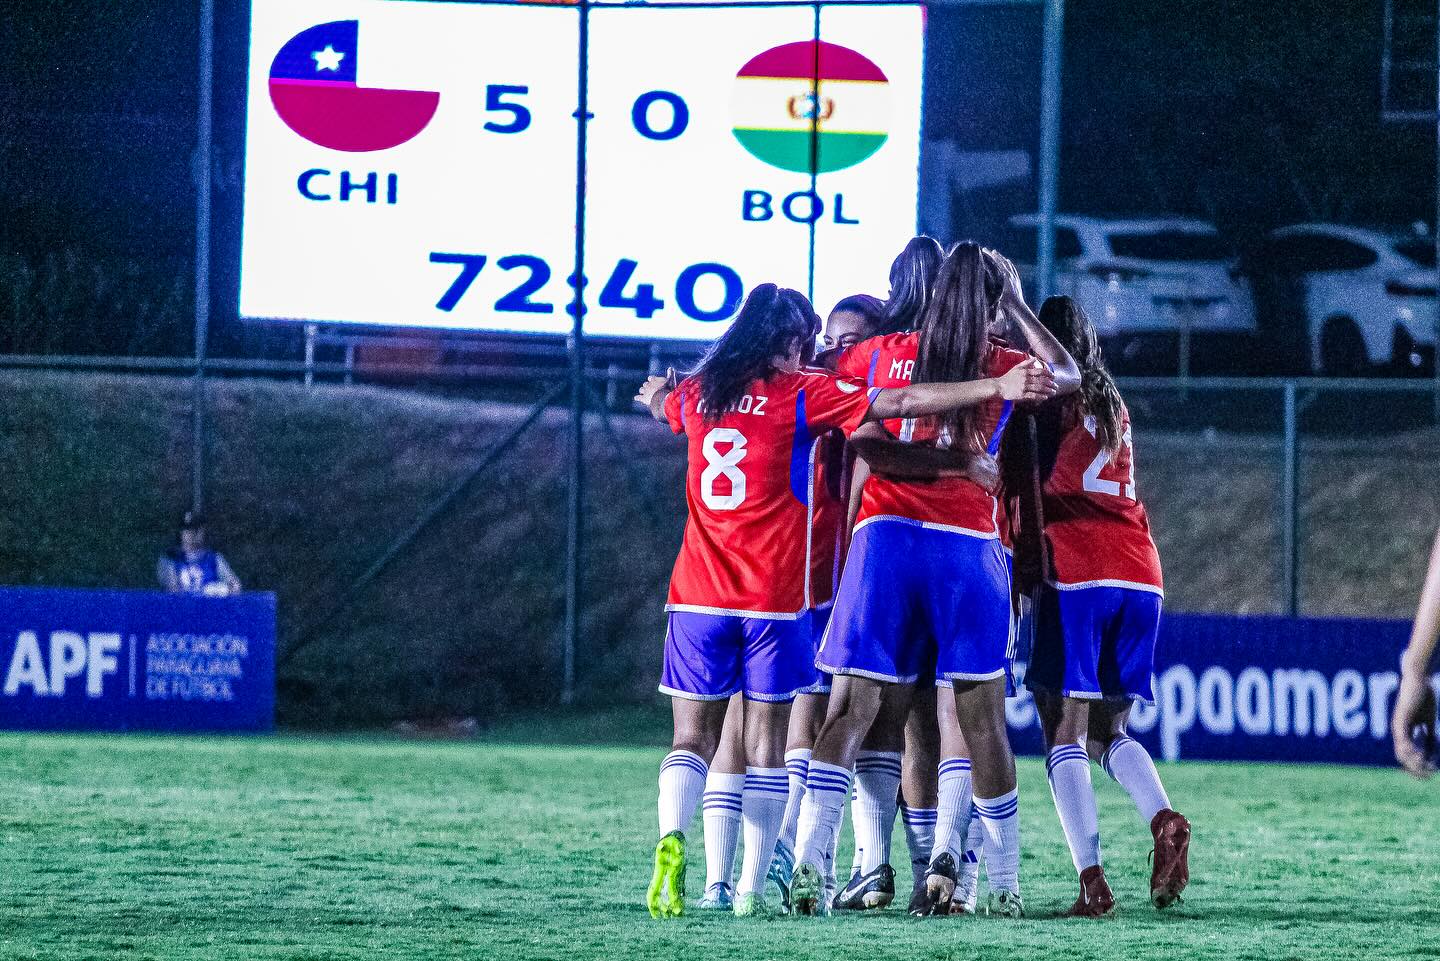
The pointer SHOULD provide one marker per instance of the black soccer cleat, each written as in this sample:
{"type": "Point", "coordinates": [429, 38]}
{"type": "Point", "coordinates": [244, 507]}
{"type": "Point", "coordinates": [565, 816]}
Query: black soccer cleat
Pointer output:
{"type": "Point", "coordinates": [867, 891]}
{"type": "Point", "coordinates": [940, 880]}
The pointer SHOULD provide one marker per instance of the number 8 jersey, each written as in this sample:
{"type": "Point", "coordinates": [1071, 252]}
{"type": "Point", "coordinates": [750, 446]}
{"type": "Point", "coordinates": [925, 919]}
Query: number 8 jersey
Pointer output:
{"type": "Point", "coordinates": [749, 487]}
{"type": "Point", "coordinates": [1098, 530]}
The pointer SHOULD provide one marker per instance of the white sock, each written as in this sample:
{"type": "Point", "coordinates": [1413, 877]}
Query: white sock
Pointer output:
{"type": "Point", "coordinates": [1000, 816]}
{"type": "Point", "coordinates": [919, 838]}
{"type": "Point", "coordinates": [858, 857]}
{"type": "Point", "coordinates": [967, 884]}
{"type": "Point", "coordinates": [797, 765]}
{"type": "Point", "coordinates": [1127, 761]}
{"type": "Point", "coordinates": [766, 789]}
{"type": "Point", "coordinates": [1068, 767]}
{"type": "Point", "coordinates": [682, 781]}
{"type": "Point", "coordinates": [953, 815]}
{"type": "Point", "coordinates": [722, 826]}
{"type": "Point", "coordinates": [820, 814]}
{"type": "Point", "coordinates": [877, 792]}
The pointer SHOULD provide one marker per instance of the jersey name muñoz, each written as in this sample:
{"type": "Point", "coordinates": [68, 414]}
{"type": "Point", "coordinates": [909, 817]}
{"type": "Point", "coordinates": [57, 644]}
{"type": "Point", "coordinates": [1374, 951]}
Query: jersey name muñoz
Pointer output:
{"type": "Point", "coordinates": [749, 487]}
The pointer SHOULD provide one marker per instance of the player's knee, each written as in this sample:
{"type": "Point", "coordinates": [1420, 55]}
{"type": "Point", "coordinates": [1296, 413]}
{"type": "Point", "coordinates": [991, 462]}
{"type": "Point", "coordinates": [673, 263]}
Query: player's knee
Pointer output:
{"type": "Point", "coordinates": [701, 743]}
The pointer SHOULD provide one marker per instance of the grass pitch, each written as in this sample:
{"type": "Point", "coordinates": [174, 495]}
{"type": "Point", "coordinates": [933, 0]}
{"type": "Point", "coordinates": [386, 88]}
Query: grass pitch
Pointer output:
{"type": "Point", "coordinates": [202, 848]}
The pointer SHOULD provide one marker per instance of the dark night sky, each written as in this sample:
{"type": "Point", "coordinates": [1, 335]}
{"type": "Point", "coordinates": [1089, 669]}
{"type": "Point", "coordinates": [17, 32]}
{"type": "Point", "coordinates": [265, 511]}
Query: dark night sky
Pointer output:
{"type": "Point", "coordinates": [1250, 112]}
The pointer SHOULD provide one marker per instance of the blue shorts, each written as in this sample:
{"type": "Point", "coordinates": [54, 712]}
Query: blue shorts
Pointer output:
{"type": "Point", "coordinates": [914, 600]}
{"type": "Point", "coordinates": [1095, 642]}
{"type": "Point", "coordinates": [709, 657]}
{"type": "Point", "coordinates": [819, 621]}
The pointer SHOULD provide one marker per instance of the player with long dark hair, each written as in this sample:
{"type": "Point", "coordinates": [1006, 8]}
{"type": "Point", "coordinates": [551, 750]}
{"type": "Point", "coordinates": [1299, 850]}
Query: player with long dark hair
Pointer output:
{"type": "Point", "coordinates": [851, 320]}
{"type": "Point", "coordinates": [740, 594]}
{"type": "Point", "coordinates": [912, 277]}
{"type": "Point", "coordinates": [903, 744]}
{"type": "Point", "coordinates": [1096, 617]}
{"type": "Point", "coordinates": [926, 575]}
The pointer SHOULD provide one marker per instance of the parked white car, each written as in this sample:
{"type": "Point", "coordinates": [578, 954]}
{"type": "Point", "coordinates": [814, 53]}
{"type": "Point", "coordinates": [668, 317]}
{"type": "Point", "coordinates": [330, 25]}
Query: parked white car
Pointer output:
{"type": "Point", "coordinates": [1144, 280]}
{"type": "Point", "coordinates": [1369, 295]}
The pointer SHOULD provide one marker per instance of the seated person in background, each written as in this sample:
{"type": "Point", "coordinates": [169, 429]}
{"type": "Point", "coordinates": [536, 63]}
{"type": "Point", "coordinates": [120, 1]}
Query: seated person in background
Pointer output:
{"type": "Point", "coordinates": [192, 568]}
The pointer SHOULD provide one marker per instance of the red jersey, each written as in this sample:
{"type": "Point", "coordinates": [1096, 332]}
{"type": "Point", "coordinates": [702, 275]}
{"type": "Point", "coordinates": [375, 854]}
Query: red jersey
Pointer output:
{"type": "Point", "coordinates": [1098, 530]}
{"type": "Point", "coordinates": [749, 487]}
{"type": "Point", "coordinates": [832, 490]}
{"type": "Point", "coordinates": [949, 503]}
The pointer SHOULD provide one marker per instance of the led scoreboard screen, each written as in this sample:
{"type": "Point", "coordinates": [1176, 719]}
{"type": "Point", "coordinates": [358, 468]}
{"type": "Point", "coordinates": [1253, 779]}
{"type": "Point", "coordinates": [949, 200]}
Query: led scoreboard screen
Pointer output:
{"type": "Point", "coordinates": [412, 163]}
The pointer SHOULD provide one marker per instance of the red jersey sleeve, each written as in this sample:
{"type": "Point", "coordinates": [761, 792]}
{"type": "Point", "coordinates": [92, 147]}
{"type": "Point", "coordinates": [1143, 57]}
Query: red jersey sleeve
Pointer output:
{"type": "Point", "coordinates": [854, 362]}
{"type": "Point", "coordinates": [835, 403]}
{"type": "Point", "coordinates": [675, 407]}
{"type": "Point", "coordinates": [1004, 359]}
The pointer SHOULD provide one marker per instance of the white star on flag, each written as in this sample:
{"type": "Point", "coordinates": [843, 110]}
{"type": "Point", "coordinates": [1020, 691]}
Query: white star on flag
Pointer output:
{"type": "Point", "coordinates": [327, 59]}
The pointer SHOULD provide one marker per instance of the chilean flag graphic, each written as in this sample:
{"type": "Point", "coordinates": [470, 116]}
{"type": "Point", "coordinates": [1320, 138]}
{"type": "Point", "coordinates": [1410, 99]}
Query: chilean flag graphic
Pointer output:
{"type": "Point", "coordinates": [313, 86]}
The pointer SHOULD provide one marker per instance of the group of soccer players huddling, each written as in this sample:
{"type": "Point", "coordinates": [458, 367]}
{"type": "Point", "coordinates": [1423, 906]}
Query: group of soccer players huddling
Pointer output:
{"type": "Point", "coordinates": [866, 521]}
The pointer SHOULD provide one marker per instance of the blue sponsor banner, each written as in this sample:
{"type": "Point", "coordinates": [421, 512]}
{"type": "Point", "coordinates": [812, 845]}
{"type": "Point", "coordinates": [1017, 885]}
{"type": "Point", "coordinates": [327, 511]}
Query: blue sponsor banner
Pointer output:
{"type": "Point", "coordinates": [136, 660]}
{"type": "Point", "coordinates": [1233, 688]}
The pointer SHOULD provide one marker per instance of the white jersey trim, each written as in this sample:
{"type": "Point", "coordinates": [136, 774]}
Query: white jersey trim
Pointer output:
{"type": "Point", "coordinates": [810, 519]}
{"type": "Point", "coordinates": [928, 525]}
{"type": "Point", "coordinates": [1128, 585]}
{"type": "Point", "coordinates": [687, 696]}
{"type": "Point", "coordinates": [872, 675]}
{"type": "Point", "coordinates": [953, 676]}
{"type": "Point", "coordinates": [728, 612]}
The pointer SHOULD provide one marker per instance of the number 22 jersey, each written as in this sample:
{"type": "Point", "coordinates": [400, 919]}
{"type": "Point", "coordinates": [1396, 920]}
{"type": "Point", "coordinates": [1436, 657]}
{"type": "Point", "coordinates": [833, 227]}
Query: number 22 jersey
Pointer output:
{"type": "Point", "coordinates": [1098, 530]}
{"type": "Point", "coordinates": [749, 487]}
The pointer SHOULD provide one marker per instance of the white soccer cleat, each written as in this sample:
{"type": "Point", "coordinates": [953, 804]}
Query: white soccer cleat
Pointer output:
{"type": "Point", "coordinates": [718, 897]}
{"type": "Point", "coordinates": [1005, 904]}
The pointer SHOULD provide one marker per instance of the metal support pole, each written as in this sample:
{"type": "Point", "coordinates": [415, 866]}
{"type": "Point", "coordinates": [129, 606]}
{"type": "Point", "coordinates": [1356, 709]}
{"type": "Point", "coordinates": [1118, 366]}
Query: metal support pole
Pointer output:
{"type": "Point", "coordinates": [349, 363]}
{"type": "Point", "coordinates": [1054, 43]}
{"type": "Point", "coordinates": [310, 355]}
{"type": "Point", "coordinates": [1435, 231]}
{"type": "Point", "coordinates": [1291, 498]}
{"type": "Point", "coordinates": [357, 587]}
{"type": "Point", "coordinates": [1182, 359]}
{"type": "Point", "coordinates": [573, 539]}
{"type": "Point", "coordinates": [202, 168]}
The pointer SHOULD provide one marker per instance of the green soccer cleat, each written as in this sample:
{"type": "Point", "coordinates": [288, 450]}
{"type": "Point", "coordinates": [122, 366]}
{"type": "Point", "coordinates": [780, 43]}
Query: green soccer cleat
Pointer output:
{"type": "Point", "coordinates": [666, 896]}
{"type": "Point", "coordinates": [751, 906]}
{"type": "Point", "coordinates": [782, 874]}
{"type": "Point", "coordinates": [807, 892]}
{"type": "Point", "coordinates": [1005, 904]}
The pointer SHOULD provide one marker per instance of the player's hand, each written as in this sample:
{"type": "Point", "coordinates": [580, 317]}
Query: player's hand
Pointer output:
{"type": "Point", "coordinates": [1009, 272]}
{"type": "Point", "coordinates": [1030, 382]}
{"type": "Point", "coordinates": [654, 385]}
{"type": "Point", "coordinates": [981, 468]}
{"type": "Point", "coordinates": [1412, 726]}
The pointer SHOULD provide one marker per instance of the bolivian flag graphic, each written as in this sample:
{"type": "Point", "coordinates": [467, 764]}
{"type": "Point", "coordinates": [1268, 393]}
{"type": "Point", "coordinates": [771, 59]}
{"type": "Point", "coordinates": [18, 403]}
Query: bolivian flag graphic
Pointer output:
{"type": "Point", "coordinates": [777, 101]}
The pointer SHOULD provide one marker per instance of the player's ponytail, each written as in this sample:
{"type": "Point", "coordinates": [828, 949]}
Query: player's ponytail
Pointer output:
{"type": "Point", "coordinates": [770, 324]}
{"type": "Point", "coordinates": [912, 278]}
{"type": "Point", "coordinates": [1099, 396]}
{"type": "Point", "coordinates": [955, 333]}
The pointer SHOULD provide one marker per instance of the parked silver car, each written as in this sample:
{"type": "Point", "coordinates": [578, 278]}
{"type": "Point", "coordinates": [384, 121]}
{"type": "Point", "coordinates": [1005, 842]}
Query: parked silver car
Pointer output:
{"type": "Point", "coordinates": [1145, 282]}
{"type": "Point", "coordinates": [1367, 296]}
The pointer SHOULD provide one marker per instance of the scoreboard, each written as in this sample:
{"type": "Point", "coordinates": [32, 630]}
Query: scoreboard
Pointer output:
{"type": "Point", "coordinates": [413, 163]}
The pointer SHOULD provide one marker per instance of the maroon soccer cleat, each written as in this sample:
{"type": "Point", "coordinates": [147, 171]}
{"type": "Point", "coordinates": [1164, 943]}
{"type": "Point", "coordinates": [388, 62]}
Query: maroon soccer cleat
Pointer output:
{"type": "Point", "coordinates": [1096, 899]}
{"type": "Point", "coordinates": [1171, 871]}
